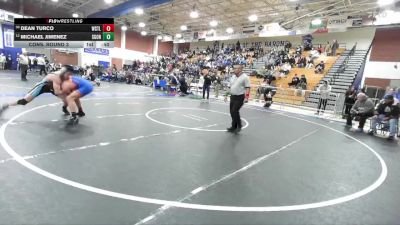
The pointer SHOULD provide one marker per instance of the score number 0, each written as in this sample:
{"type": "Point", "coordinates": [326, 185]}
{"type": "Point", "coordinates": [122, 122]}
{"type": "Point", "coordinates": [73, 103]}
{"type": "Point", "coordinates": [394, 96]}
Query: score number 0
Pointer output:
{"type": "Point", "coordinates": [108, 27]}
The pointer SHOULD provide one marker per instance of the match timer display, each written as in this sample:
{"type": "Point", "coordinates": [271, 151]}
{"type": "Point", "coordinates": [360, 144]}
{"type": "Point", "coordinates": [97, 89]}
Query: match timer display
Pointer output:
{"type": "Point", "coordinates": [64, 33]}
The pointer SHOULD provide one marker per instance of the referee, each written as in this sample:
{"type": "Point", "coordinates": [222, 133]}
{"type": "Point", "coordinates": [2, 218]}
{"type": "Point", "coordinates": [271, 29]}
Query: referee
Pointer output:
{"type": "Point", "coordinates": [239, 92]}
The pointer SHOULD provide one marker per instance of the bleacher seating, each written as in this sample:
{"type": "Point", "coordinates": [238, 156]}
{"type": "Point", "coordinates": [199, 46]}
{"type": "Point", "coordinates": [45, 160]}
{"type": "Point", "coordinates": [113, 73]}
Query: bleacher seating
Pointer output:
{"type": "Point", "coordinates": [291, 96]}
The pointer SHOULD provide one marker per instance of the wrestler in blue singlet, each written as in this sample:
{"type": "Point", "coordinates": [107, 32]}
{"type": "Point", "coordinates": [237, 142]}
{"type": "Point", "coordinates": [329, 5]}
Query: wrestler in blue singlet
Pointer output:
{"type": "Point", "coordinates": [82, 85]}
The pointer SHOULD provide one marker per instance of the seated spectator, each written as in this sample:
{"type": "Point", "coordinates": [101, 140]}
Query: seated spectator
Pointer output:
{"type": "Point", "coordinates": [320, 67]}
{"type": "Point", "coordinates": [299, 50]}
{"type": "Point", "coordinates": [393, 92]}
{"type": "Point", "coordinates": [285, 69]}
{"type": "Point", "coordinates": [386, 111]}
{"type": "Point", "coordinates": [362, 109]}
{"type": "Point", "coordinates": [129, 77]}
{"type": "Point", "coordinates": [310, 63]}
{"type": "Point", "coordinates": [302, 83]}
{"type": "Point", "coordinates": [292, 61]}
{"type": "Point", "coordinates": [295, 81]}
{"type": "Point", "coordinates": [302, 62]}
{"type": "Point", "coordinates": [314, 54]}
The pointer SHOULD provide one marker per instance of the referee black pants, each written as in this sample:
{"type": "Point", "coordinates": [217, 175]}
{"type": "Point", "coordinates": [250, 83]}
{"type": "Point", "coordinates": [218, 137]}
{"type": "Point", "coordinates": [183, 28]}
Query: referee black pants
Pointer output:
{"type": "Point", "coordinates": [235, 105]}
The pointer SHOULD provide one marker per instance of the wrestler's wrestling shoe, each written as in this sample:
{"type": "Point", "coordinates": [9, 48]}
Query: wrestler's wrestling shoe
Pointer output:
{"type": "Point", "coordinates": [65, 111]}
{"type": "Point", "coordinates": [73, 121]}
{"type": "Point", "coordinates": [81, 114]}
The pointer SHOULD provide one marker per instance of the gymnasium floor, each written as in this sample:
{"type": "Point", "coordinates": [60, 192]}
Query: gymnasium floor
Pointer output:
{"type": "Point", "coordinates": [140, 157]}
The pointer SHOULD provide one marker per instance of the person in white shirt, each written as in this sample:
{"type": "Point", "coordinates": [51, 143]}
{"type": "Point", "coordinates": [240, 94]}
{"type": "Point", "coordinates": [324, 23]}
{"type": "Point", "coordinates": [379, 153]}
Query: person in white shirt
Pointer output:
{"type": "Point", "coordinates": [239, 93]}
{"type": "Point", "coordinates": [2, 61]}
{"type": "Point", "coordinates": [23, 64]}
{"type": "Point", "coordinates": [324, 90]}
{"type": "Point", "coordinates": [42, 65]}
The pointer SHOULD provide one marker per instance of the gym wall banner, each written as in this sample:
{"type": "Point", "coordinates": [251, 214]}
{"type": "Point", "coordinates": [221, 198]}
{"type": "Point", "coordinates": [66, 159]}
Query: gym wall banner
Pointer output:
{"type": "Point", "coordinates": [97, 51]}
{"type": "Point", "coordinates": [8, 37]}
{"type": "Point", "coordinates": [339, 22]}
{"type": "Point", "coordinates": [1, 36]}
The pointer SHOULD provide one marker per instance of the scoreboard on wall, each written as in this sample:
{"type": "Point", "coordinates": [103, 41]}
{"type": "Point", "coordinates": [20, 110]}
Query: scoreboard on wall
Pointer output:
{"type": "Point", "coordinates": [64, 33]}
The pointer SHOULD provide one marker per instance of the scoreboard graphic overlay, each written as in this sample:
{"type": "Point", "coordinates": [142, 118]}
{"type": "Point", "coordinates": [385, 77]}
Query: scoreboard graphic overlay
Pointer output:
{"type": "Point", "coordinates": [64, 33]}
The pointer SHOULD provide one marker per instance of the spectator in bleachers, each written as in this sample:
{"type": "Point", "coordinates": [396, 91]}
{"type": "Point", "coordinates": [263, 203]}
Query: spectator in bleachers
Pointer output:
{"type": "Point", "coordinates": [350, 99]}
{"type": "Point", "coordinates": [320, 67]}
{"type": "Point", "coordinates": [299, 50]}
{"type": "Point", "coordinates": [288, 45]}
{"type": "Point", "coordinates": [292, 60]}
{"type": "Point", "coordinates": [386, 111]}
{"type": "Point", "coordinates": [285, 69]}
{"type": "Point", "coordinates": [310, 63]}
{"type": "Point", "coordinates": [295, 81]}
{"type": "Point", "coordinates": [320, 49]}
{"type": "Point", "coordinates": [314, 54]}
{"type": "Point", "coordinates": [303, 82]}
{"type": "Point", "coordinates": [302, 62]}
{"type": "Point", "coordinates": [363, 108]}
{"type": "Point", "coordinates": [324, 90]}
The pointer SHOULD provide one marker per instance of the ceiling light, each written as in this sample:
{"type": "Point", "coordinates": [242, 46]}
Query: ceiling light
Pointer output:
{"type": "Point", "coordinates": [54, 0]}
{"type": "Point", "coordinates": [229, 30]}
{"type": "Point", "coordinates": [253, 18]}
{"type": "Point", "coordinates": [183, 27]}
{"type": "Point", "coordinates": [141, 24]}
{"type": "Point", "coordinates": [139, 11]}
{"type": "Point", "coordinates": [194, 14]}
{"type": "Point", "coordinates": [143, 33]}
{"type": "Point", "coordinates": [108, 1]}
{"type": "Point", "coordinates": [75, 15]}
{"type": "Point", "coordinates": [178, 35]}
{"type": "Point", "coordinates": [213, 23]}
{"type": "Point", "coordinates": [316, 22]}
{"type": "Point", "coordinates": [124, 28]}
{"type": "Point", "coordinates": [385, 2]}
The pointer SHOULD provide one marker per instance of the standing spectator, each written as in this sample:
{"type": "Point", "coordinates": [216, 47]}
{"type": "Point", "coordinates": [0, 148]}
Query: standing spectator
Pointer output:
{"type": "Point", "coordinates": [8, 65]}
{"type": "Point", "coordinates": [2, 61]}
{"type": "Point", "coordinates": [17, 59]}
{"type": "Point", "coordinates": [35, 64]}
{"type": "Point", "coordinates": [42, 65]}
{"type": "Point", "coordinates": [350, 99]}
{"type": "Point", "coordinates": [328, 49]}
{"type": "Point", "coordinates": [386, 111]}
{"type": "Point", "coordinates": [363, 109]}
{"type": "Point", "coordinates": [335, 46]}
{"type": "Point", "coordinates": [207, 81]}
{"type": "Point", "coordinates": [24, 62]}
{"type": "Point", "coordinates": [217, 85]}
{"type": "Point", "coordinates": [324, 90]}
